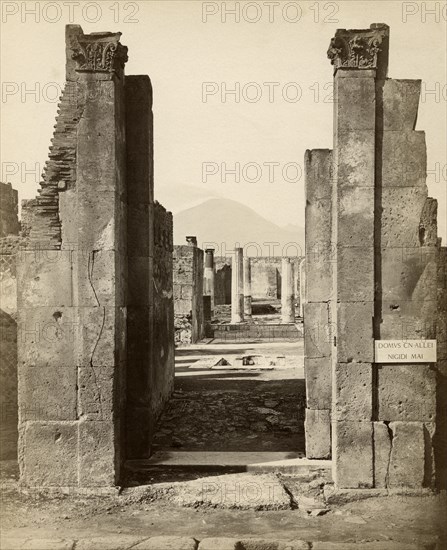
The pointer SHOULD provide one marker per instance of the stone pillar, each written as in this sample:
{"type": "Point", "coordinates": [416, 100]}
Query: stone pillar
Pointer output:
{"type": "Point", "coordinates": [237, 287]}
{"type": "Point", "coordinates": [357, 78]}
{"type": "Point", "coordinates": [247, 288]}
{"type": "Point", "coordinates": [208, 282]}
{"type": "Point", "coordinates": [318, 329]}
{"type": "Point", "coordinates": [287, 291]}
{"type": "Point", "coordinates": [72, 378]}
{"type": "Point", "coordinates": [188, 294]}
{"type": "Point", "coordinates": [302, 288]}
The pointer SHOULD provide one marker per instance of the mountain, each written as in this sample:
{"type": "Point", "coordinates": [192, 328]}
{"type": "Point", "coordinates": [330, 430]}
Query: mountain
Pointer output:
{"type": "Point", "coordinates": [222, 223]}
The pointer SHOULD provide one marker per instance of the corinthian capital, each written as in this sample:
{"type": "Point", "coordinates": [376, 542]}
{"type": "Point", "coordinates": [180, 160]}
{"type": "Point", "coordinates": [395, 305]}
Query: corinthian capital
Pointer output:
{"type": "Point", "coordinates": [99, 52]}
{"type": "Point", "coordinates": [359, 49]}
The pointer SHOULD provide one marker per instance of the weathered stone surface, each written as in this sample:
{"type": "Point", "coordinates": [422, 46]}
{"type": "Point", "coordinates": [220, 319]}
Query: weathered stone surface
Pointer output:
{"type": "Point", "coordinates": [287, 291]}
{"type": "Point", "coordinates": [47, 336]}
{"type": "Point", "coordinates": [101, 335]}
{"type": "Point", "coordinates": [355, 274]}
{"type": "Point", "coordinates": [317, 334]}
{"type": "Point", "coordinates": [111, 542]}
{"type": "Point", "coordinates": [382, 453]}
{"type": "Point", "coordinates": [116, 250]}
{"type": "Point", "coordinates": [50, 392]}
{"type": "Point", "coordinates": [356, 320]}
{"type": "Point", "coordinates": [352, 454]}
{"type": "Point", "coordinates": [353, 391]}
{"type": "Point", "coordinates": [188, 273]}
{"type": "Point", "coordinates": [407, 462]}
{"type": "Point", "coordinates": [219, 544]}
{"type": "Point", "coordinates": [139, 147]}
{"type": "Point", "coordinates": [406, 392]}
{"type": "Point", "coordinates": [408, 319]}
{"type": "Point", "coordinates": [168, 543]}
{"type": "Point", "coordinates": [402, 208]}
{"type": "Point", "coordinates": [318, 168]}
{"type": "Point", "coordinates": [98, 459]}
{"type": "Point", "coordinates": [318, 433]}
{"type": "Point", "coordinates": [96, 392]}
{"type": "Point", "coordinates": [404, 159]}
{"type": "Point", "coordinates": [98, 277]}
{"type": "Point", "coordinates": [409, 273]}
{"type": "Point", "coordinates": [400, 104]}
{"type": "Point", "coordinates": [319, 265]}
{"type": "Point", "coordinates": [45, 278]}
{"type": "Point", "coordinates": [356, 158]}
{"type": "Point", "coordinates": [9, 201]}
{"type": "Point", "coordinates": [355, 211]}
{"type": "Point", "coordinates": [355, 106]}
{"type": "Point", "coordinates": [318, 382]}
{"type": "Point", "coordinates": [48, 455]}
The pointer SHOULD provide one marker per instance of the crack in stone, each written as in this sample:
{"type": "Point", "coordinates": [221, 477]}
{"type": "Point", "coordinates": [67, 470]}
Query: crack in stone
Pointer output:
{"type": "Point", "coordinates": [391, 436]}
{"type": "Point", "coordinates": [91, 264]}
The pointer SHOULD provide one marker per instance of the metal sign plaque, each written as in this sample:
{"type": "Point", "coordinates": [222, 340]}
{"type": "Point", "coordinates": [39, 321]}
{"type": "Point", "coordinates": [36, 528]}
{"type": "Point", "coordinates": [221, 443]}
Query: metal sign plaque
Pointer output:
{"type": "Point", "coordinates": [405, 351]}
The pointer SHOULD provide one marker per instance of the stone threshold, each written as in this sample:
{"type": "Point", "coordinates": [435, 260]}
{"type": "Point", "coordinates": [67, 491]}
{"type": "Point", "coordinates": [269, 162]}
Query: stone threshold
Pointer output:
{"type": "Point", "coordinates": [249, 461]}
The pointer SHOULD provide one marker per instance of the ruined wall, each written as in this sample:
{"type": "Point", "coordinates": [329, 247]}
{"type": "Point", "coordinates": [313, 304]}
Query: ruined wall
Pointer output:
{"type": "Point", "coordinates": [10, 248]}
{"type": "Point", "coordinates": [9, 222]}
{"type": "Point", "coordinates": [265, 278]}
{"type": "Point", "coordinates": [150, 340]}
{"type": "Point", "coordinates": [406, 305]}
{"type": "Point", "coordinates": [85, 283]}
{"type": "Point", "coordinates": [387, 274]}
{"type": "Point", "coordinates": [188, 292]}
{"type": "Point", "coordinates": [163, 345]}
{"type": "Point", "coordinates": [222, 280]}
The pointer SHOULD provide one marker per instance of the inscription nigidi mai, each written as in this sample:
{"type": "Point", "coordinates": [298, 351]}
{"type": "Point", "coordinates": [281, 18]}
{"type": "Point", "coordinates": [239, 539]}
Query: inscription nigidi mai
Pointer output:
{"type": "Point", "coordinates": [405, 351]}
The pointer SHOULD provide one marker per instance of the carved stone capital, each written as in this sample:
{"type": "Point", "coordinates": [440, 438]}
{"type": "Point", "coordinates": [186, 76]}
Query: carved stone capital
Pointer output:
{"type": "Point", "coordinates": [99, 52]}
{"type": "Point", "coordinates": [359, 49]}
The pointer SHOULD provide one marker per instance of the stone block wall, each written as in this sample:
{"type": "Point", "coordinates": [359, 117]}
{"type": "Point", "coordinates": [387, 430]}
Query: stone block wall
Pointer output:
{"type": "Point", "coordinates": [9, 222]}
{"type": "Point", "coordinates": [188, 292]}
{"type": "Point", "coordinates": [163, 337]}
{"type": "Point", "coordinates": [86, 306]}
{"type": "Point", "coordinates": [379, 275]}
{"type": "Point", "coordinates": [10, 248]}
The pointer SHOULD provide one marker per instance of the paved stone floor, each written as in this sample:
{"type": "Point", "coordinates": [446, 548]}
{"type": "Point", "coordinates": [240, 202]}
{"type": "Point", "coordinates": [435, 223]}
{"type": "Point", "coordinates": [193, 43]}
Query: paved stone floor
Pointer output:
{"type": "Point", "coordinates": [220, 404]}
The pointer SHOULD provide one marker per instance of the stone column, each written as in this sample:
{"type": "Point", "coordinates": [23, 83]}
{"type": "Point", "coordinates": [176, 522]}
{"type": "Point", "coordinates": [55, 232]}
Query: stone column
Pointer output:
{"type": "Point", "coordinates": [247, 287]}
{"type": "Point", "coordinates": [237, 287]}
{"type": "Point", "coordinates": [209, 275]}
{"type": "Point", "coordinates": [358, 74]}
{"type": "Point", "coordinates": [287, 291]}
{"type": "Point", "coordinates": [72, 381]}
{"type": "Point", "coordinates": [302, 270]}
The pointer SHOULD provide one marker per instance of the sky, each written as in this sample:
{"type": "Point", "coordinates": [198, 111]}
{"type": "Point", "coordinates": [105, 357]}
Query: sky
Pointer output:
{"type": "Point", "coordinates": [236, 103]}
